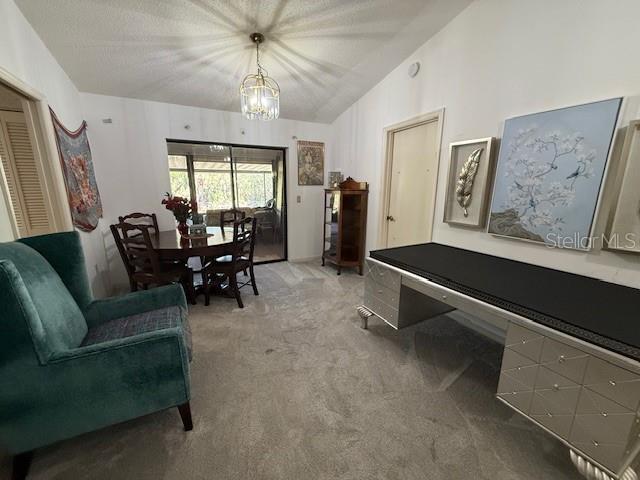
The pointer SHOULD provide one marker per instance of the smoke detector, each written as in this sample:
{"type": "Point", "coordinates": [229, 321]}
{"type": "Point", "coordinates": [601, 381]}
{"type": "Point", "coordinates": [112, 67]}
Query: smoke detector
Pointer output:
{"type": "Point", "coordinates": [414, 68]}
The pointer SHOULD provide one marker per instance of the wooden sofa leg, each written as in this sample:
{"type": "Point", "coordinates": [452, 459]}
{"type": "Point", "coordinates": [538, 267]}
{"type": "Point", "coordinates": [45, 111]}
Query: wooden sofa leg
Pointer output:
{"type": "Point", "coordinates": [185, 414]}
{"type": "Point", "coordinates": [21, 464]}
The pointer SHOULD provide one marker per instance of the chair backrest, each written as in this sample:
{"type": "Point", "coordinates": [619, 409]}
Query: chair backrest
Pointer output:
{"type": "Point", "coordinates": [231, 216]}
{"type": "Point", "coordinates": [56, 322]}
{"type": "Point", "coordinates": [140, 258]}
{"type": "Point", "coordinates": [138, 218]}
{"type": "Point", "coordinates": [212, 218]}
{"type": "Point", "coordinates": [244, 237]}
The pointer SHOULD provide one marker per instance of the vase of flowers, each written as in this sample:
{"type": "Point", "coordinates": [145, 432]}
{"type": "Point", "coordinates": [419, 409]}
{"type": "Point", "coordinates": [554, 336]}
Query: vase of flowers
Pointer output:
{"type": "Point", "coordinates": [182, 210]}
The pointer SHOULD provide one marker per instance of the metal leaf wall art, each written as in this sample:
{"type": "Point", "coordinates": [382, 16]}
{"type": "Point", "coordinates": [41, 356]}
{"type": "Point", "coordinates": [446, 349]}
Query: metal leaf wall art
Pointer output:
{"type": "Point", "coordinates": [467, 175]}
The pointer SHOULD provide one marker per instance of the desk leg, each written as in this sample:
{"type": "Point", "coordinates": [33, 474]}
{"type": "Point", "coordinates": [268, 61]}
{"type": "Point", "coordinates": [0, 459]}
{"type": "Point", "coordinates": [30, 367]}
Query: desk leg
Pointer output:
{"type": "Point", "coordinates": [592, 472]}
{"type": "Point", "coordinates": [364, 313]}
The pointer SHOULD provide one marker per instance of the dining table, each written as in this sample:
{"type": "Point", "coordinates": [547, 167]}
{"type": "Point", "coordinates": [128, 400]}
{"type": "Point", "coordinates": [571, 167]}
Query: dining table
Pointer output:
{"type": "Point", "coordinates": [170, 245]}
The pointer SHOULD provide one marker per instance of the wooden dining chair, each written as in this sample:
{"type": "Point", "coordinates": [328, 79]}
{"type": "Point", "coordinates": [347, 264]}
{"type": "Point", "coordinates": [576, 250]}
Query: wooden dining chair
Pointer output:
{"type": "Point", "coordinates": [142, 262]}
{"type": "Point", "coordinates": [240, 259]}
{"type": "Point", "coordinates": [138, 218]}
{"type": "Point", "coordinates": [229, 217]}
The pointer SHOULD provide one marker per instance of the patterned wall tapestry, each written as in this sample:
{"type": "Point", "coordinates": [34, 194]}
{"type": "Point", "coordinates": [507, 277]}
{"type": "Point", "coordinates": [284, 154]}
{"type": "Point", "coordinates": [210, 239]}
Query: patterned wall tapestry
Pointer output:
{"type": "Point", "coordinates": [310, 163]}
{"type": "Point", "coordinates": [77, 167]}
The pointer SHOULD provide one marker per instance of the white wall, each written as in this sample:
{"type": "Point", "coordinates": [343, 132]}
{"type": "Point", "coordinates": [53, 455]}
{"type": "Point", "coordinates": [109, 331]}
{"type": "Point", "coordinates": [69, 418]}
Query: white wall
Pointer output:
{"type": "Point", "coordinates": [25, 56]}
{"type": "Point", "coordinates": [130, 159]}
{"type": "Point", "coordinates": [499, 59]}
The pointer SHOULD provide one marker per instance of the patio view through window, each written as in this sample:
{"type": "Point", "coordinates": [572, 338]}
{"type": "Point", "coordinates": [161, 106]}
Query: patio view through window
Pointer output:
{"type": "Point", "coordinates": [223, 177]}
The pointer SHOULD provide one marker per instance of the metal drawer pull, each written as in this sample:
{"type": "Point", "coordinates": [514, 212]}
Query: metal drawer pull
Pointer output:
{"type": "Point", "coordinates": [604, 414]}
{"type": "Point", "coordinates": [379, 291]}
{"type": "Point", "coordinates": [444, 297]}
{"type": "Point", "coordinates": [595, 444]}
{"type": "Point", "coordinates": [561, 359]}
{"type": "Point", "coordinates": [612, 383]}
{"type": "Point", "coordinates": [549, 414]}
{"type": "Point", "coordinates": [556, 387]}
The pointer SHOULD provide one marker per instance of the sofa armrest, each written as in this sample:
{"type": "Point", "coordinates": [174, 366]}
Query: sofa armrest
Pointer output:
{"type": "Point", "coordinates": [150, 356]}
{"type": "Point", "coordinates": [100, 311]}
{"type": "Point", "coordinates": [128, 347]}
{"type": "Point", "coordinates": [87, 388]}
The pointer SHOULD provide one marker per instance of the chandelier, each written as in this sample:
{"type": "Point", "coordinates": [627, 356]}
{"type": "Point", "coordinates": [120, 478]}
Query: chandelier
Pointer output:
{"type": "Point", "coordinates": [259, 93]}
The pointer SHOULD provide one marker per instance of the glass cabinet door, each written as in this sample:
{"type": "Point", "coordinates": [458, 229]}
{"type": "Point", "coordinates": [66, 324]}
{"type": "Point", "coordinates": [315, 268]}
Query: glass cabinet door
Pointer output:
{"type": "Point", "coordinates": [331, 223]}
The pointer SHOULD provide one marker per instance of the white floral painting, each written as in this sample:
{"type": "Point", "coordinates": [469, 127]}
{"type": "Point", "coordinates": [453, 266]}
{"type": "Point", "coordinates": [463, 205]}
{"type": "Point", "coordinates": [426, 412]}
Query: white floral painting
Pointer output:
{"type": "Point", "coordinates": [549, 173]}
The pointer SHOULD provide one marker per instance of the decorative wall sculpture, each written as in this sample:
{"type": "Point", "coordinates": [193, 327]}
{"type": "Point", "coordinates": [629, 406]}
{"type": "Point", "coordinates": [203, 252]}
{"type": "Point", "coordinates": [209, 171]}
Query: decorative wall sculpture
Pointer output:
{"type": "Point", "coordinates": [549, 174]}
{"type": "Point", "coordinates": [79, 177]}
{"type": "Point", "coordinates": [469, 183]}
{"type": "Point", "coordinates": [310, 163]}
{"type": "Point", "coordinates": [624, 227]}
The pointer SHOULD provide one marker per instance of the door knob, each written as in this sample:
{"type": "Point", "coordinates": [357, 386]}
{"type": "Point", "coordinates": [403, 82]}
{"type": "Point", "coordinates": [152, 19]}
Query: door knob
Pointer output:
{"type": "Point", "coordinates": [390, 218]}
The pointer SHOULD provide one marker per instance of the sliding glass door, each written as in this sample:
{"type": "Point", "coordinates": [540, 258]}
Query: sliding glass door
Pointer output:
{"type": "Point", "coordinates": [222, 177]}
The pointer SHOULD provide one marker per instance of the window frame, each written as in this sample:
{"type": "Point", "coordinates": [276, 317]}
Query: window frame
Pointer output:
{"type": "Point", "coordinates": [190, 158]}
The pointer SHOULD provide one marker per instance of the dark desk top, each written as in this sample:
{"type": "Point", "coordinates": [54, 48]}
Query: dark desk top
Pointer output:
{"type": "Point", "coordinates": [593, 310]}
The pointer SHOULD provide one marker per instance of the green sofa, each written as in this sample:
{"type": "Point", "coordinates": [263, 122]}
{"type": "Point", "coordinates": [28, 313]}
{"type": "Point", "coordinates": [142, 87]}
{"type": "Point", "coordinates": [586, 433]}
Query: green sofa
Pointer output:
{"type": "Point", "coordinates": [70, 364]}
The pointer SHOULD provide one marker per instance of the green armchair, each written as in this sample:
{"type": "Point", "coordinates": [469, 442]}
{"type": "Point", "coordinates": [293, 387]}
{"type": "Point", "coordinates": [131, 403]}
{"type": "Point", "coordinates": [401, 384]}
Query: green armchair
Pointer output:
{"type": "Point", "coordinates": [70, 364]}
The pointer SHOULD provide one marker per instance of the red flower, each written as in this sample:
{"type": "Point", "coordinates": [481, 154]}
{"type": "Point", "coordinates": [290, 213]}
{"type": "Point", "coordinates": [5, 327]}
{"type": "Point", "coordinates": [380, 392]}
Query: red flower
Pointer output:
{"type": "Point", "coordinates": [182, 208]}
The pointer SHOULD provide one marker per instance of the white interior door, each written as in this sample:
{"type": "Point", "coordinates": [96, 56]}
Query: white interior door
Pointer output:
{"type": "Point", "coordinates": [414, 168]}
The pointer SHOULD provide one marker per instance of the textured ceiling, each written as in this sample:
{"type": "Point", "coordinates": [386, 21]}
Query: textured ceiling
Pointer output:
{"type": "Point", "coordinates": [324, 53]}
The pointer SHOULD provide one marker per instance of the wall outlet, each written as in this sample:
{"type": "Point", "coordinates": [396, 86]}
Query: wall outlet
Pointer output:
{"type": "Point", "coordinates": [299, 199]}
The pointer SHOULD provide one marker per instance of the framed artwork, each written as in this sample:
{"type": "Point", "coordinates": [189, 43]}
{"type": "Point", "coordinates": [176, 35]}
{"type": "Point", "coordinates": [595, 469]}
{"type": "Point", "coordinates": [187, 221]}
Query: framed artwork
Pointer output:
{"type": "Point", "coordinates": [79, 178]}
{"type": "Point", "coordinates": [624, 225]}
{"type": "Point", "coordinates": [549, 174]}
{"type": "Point", "coordinates": [335, 178]}
{"type": "Point", "coordinates": [310, 163]}
{"type": "Point", "coordinates": [469, 182]}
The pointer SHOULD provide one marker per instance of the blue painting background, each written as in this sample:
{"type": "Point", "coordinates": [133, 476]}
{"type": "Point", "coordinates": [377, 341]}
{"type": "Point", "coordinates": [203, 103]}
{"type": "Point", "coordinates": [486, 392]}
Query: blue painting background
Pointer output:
{"type": "Point", "coordinates": [538, 189]}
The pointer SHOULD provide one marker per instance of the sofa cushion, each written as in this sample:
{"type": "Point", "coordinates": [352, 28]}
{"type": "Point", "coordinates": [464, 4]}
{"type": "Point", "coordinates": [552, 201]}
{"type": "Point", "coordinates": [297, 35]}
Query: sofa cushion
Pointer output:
{"type": "Point", "coordinates": [151, 321]}
{"type": "Point", "coordinates": [62, 324]}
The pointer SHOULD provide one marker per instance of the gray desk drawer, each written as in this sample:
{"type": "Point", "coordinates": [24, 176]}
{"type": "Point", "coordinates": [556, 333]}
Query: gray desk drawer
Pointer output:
{"type": "Point", "coordinates": [520, 368]}
{"type": "Point", "coordinates": [558, 394]}
{"type": "Point", "coordinates": [524, 341]}
{"type": "Point", "coordinates": [517, 379]}
{"type": "Point", "coordinates": [383, 276]}
{"type": "Point", "coordinates": [554, 401]}
{"type": "Point", "coordinates": [564, 359]}
{"type": "Point", "coordinates": [387, 295]}
{"type": "Point", "coordinates": [615, 383]}
{"type": "Point", "coordinates": [382, 310]}
{"type": "Point", "coordinates": [603, 428]}
{"type": "Point", "coordinates": [515, 393]}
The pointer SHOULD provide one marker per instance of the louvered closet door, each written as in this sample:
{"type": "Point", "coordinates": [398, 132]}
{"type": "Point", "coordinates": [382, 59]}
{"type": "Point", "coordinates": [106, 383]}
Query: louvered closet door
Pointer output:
{"type": "Point", "coordinates": [23, 176]}
{"type": "Point", "coordinates": [11, 184]}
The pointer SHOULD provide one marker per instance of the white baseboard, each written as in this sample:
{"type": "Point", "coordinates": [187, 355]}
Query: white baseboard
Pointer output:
{"type": "Point", "coordinates": [305, 259]}
{"type": "Point", "coordinates": [495, 330]}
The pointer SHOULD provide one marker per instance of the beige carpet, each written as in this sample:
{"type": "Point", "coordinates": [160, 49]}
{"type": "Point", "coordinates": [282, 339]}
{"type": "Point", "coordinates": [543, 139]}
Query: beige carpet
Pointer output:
{"type": "Point", "coordinates": [291, 388]}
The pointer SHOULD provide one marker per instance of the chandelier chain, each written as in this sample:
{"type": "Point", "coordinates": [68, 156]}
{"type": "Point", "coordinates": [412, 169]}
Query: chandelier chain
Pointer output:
{"type": "Point", "coordinates": [261, 70]}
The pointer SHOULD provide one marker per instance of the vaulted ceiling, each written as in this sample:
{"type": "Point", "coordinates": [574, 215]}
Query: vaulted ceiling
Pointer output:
{"type": "Point", "coordinates": [325, 54]}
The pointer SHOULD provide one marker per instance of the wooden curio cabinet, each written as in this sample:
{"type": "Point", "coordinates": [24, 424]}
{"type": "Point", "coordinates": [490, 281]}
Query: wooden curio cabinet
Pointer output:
{"type": "Point", "coordinates": [345, 224]}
